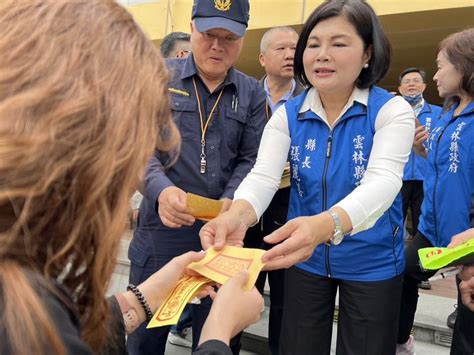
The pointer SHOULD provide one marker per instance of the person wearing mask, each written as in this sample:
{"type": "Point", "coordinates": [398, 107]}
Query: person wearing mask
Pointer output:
{"type": "Point", "coordinates": [78, 125]}
{"type": "Point", "coordinates": [277, 51]}
{"type": "Point", "coordinates": [220, 113]}
{"type": "Point", "coordinates": [348, 141]}
{"type": "Point", "coordinates": [411, 85]}
{"type": "Point", "coordinates": [448, 184]}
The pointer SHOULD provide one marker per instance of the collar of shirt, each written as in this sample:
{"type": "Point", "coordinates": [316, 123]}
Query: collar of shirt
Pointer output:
{"type": "Point", "coordinates": [189, 70]}
{"type": "Point", "coordinates": [284, 98]}
{"type": "Point", "coordinates": [312, 102]}
{"type": "Point", "coordinates": [418, 107]}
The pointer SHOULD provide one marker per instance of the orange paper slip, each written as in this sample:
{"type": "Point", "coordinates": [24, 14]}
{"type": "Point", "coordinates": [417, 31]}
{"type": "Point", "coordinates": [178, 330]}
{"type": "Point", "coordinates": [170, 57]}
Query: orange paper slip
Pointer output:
{"type": "Point", "coordinates": [220, 265]}
{"type": "Point", "coordinates": [202, 207]}
{"type": "Point", "coordinates": [171, 309]}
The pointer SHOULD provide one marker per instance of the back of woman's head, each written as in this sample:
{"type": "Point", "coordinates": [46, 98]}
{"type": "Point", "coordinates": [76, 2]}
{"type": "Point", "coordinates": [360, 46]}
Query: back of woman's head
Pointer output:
{"type": "Point", "coordinates": [83, 104]}
{"type": "Point", "coordinates": [361, 15]}
{"type": "Point", "coordinates": [459, 49]}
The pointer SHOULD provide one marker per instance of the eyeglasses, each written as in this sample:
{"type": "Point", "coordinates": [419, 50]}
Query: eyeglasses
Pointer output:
{"type": "Point", "coordinates": [414, 81]}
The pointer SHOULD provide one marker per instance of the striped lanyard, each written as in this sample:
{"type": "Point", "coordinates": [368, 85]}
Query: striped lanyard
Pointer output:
{"type": "Point", "coordinates": [204, 126]}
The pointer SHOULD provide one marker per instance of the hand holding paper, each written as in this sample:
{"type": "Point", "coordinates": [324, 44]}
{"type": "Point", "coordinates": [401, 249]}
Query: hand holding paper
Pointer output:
{"type": "Point", "coordinates": [233, 309]}
{"type": "Point", "coordinates": [172, 208]}
{"type": "Point", "coordinates": [218, 266]}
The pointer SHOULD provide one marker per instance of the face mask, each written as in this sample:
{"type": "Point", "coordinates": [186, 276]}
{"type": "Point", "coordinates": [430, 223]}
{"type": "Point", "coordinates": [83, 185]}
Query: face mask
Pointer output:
{"type": "Point", "coordinates": [413, 100]}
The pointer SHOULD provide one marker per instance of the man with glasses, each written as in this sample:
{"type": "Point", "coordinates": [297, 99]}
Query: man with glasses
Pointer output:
{"type": "Point", "coordinates": [412, 84]}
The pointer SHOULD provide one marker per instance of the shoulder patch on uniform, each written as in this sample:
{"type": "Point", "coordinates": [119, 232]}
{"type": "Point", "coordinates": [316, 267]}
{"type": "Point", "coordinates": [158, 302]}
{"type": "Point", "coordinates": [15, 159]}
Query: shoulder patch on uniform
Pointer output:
{"type": "Point", "coordinates": [178, 92]}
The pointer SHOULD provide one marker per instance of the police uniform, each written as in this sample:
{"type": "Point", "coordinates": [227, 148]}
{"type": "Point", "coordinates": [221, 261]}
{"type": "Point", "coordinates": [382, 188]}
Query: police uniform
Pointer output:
{"type": "Point", "coordinates": [232, 141]}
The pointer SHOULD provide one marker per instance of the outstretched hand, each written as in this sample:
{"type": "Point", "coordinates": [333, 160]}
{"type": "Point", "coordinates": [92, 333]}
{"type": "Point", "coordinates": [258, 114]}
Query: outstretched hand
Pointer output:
{"type": "Point", "coordinates": [300, 237]}
{"type": "Point", "coordinates": [223, 230]}
{"type": "Point", "coordinates": [229, 227]}
{"type": "Point", "coordinates": [157, 287]}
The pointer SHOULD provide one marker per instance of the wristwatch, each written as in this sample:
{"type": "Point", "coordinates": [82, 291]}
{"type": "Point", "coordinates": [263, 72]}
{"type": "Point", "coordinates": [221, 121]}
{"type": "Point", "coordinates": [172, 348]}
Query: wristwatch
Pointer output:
{"type": "Point", "coordinates": [338, 235]}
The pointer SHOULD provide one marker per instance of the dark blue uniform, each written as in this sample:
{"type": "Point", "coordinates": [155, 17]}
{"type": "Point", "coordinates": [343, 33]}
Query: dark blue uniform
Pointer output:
{"type": "Point", "coordinates": [232, 141]}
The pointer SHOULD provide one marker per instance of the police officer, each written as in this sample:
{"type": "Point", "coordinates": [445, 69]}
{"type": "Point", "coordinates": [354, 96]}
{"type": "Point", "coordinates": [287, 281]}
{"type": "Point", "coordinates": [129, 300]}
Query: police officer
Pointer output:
{"type": "Point", "coordinates": [220, 113]}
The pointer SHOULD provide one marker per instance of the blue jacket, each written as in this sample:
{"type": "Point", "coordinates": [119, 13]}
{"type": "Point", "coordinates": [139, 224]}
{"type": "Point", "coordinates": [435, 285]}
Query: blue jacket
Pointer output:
{"type": "Point", "coordinates": [447, 207]}
{"type": "Point", "coordinates": [325, 172]}
{"type": "Point", "coordinates": [232, 141]}
{"type": "Point", "coordinates": [416, 167]}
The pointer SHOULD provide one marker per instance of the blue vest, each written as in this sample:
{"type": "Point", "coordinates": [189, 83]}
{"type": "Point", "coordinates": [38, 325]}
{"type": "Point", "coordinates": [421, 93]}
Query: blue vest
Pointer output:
{"type": "Point", "coordinates": [447, 207]}
{"type": "Point", "coordinates": [417, 166]}
{"type": "Point", "coordinates": [326, 166]}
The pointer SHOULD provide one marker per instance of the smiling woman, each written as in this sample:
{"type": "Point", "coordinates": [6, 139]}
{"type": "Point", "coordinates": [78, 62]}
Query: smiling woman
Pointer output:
{"type": "Point", "coordinates": [347, 141]}
{"type": "Point", "coordinates": [334, 58]}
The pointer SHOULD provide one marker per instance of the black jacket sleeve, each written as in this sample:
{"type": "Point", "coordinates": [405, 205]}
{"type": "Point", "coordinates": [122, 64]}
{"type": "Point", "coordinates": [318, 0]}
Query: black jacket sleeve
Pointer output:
{"type": "Point", "coordinates": [213, 347]}
{"type": "Point", "coordinates": [115, 345]}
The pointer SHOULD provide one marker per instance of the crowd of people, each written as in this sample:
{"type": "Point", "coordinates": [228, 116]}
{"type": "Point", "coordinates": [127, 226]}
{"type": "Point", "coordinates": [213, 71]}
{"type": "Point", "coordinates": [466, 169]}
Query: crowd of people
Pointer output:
{"type": "Point", "coordinates": [90, 113]}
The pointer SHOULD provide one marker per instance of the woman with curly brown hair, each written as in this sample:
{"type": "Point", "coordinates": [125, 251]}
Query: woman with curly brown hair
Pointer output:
{"type": "Point", "coordinates": [83, 105]}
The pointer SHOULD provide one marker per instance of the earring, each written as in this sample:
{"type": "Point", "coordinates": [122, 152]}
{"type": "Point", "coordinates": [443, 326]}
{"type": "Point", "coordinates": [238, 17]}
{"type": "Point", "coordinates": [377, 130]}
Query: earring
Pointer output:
{"type": "Point", "coordinates": [366, 65]}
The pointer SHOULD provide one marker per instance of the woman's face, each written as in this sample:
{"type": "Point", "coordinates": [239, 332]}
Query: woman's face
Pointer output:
{"type": "Point", "coordinates": [334, 56]}
{"type": "Point", "coordinates": [447, 78]}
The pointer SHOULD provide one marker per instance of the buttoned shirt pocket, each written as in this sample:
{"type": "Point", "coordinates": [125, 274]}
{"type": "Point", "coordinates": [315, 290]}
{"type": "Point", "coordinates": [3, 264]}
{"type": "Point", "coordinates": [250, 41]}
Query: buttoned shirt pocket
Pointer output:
{"type": "Point", "coordinates": [233, 127]}
{"type": "Point", "coordinates": [184, 110]}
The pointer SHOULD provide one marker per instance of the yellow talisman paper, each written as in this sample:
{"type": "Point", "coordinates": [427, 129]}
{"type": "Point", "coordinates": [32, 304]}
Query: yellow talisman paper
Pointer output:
{"type": "Point", "coordinates": [285, 178]}
{"type": "Point", "coordinates": [202, 207]}
{"type": "Point", "coordinates": [171, 309]}
{"type": "Point", "coordinates": [221, 265]}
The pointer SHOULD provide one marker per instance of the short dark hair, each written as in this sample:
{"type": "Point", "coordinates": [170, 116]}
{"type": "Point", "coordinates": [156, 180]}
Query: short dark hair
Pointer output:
{"type": "Point", "coordinates": [368, 27]}
{"type": "Point", "coordinates": [169, 41]}
{"type": "Point", "coordinates": [411, 70]}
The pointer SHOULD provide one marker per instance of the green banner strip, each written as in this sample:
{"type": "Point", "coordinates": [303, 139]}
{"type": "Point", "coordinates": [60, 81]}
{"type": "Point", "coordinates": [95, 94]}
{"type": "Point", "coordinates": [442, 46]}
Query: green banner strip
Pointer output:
{"type": "Point", "coordinates": [435, 258]}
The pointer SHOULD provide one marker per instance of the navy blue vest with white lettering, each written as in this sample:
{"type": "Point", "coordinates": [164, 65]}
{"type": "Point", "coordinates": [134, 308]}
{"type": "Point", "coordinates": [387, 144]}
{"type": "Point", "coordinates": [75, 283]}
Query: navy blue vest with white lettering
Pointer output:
{"type": "Point", "coordinates": [326, 166]}
{"type": "Point", "coordinates": [447, 207]}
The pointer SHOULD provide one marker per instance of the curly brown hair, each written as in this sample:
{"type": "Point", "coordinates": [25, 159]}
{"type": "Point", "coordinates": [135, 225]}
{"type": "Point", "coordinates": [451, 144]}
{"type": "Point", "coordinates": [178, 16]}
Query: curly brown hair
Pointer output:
{"type": "Point", "coordinates": [83, 105]}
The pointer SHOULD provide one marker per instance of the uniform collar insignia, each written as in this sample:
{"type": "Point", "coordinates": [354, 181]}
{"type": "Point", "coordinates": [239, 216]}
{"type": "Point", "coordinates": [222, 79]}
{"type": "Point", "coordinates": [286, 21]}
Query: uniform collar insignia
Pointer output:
{"type": "Point", "coordinates": [178, 92]}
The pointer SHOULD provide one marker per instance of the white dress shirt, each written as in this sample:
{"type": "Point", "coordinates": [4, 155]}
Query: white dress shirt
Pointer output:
{"type": "Point", "coordinates": [393, 139]}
